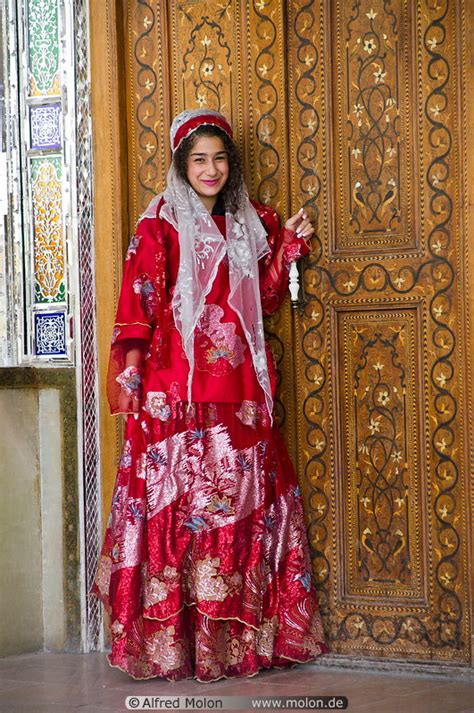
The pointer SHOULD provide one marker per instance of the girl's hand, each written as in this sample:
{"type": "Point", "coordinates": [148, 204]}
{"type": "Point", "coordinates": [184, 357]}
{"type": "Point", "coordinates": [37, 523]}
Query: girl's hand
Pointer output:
{"type": "Point", "coordinates": [129, 398]}
{"type": "Point", "coordinates": [301, 224]}
{"type": "Point", "coordinates": [128, 403]}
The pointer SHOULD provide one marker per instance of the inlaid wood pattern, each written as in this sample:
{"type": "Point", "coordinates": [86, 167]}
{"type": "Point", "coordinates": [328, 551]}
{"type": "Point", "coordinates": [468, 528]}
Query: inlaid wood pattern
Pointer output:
{"type": "Point", "coordinates": [374, 149]}
{"type": "Point", "coordinates": [382, 474]}
{"type": "Point", "coordinates": [380, 365]}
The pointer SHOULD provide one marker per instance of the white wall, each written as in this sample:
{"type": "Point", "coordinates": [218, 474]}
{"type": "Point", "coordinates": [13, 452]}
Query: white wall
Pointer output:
{"type": "Point", "coordinates": [31, 538]}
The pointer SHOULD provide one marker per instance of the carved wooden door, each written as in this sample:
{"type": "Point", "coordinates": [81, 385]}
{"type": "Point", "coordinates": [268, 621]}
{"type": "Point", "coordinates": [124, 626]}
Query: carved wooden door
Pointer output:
{"type": "Point", "coordinates": [354, 110]}
{"type": "Point", "coordinates": [380, 376]}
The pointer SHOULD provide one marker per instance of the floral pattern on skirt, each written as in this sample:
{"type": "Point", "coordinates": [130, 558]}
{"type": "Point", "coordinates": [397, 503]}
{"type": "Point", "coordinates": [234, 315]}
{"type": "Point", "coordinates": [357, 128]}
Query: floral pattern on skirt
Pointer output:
{"type": "Point", "coordinates": [205, 568]}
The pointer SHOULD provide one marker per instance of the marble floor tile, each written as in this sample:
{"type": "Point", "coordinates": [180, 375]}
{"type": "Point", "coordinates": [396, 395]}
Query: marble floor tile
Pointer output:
{"type": "Point", "coordinates": [64, 683]}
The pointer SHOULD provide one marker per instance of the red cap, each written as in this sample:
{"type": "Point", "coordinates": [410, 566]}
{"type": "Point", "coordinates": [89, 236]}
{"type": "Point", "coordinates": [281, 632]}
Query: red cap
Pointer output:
{"type": "Point", "coordinates": [203, 120]}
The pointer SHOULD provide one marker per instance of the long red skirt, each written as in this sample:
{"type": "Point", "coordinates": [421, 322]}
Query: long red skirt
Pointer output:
{"type": "Point", "coordinates": [205, 568]}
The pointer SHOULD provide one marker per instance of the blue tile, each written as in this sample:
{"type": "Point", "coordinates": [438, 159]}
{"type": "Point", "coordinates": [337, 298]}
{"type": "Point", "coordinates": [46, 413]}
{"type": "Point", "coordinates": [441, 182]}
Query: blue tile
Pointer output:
{"type": "Point", "coordinates": [45, 126]}
{"type": "Point", "coordinates": [50, 334]}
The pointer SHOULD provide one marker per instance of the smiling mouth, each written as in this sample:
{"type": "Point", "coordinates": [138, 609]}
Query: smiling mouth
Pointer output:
{"type": "Point", "coordinates": [211, 183]}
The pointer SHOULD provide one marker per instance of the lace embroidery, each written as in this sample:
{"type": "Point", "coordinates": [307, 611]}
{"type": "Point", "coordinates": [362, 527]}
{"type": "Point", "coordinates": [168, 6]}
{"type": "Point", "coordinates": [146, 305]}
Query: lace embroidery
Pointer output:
{"type": "Point", "coordinates": [250, 413]}
{"type": "Point", "coordinates": [204, 244]}
{"type": "Point", "coordinates": [157, 588]}
{"type": "Point", "coordinates": [115, 334]}
{"type": "Point", "coordinates": [292, 252]}
{"type": "Point", "coordinates": [218, 348]}
{"type": "Point", "coordinates": [208, 583]}
{"type": "Point", "coordinates": [238, 250]}
{"type": "Point", "coordinates": [156, 405]}
{"type": "Point", "coordinates": [132, 248]}
{"type": "Point", "coordinates": [143, 286]}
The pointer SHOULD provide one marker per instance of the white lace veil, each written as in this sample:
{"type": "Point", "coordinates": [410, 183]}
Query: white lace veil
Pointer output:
{"type": "Point", "coordinates": [202, 248]}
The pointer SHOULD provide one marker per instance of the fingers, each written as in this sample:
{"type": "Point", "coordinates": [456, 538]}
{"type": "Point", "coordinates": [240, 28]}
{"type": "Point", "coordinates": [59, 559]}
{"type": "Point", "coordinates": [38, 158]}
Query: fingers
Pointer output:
{"type": "Point", "coordinates": [135, 406]}
{"type": "Point", "coordinates": [295, 220]}
{"type": "Point", "coordinates": [126, 415]}
{"type": "Point", "coordinates": [301, 224]}
{"type": "Point", "coordinates": [292, 222]}
{"type": "Point", "coordinates": [305, 231]}
{"type": "Point", "coordinates": [305, 228]}
{"type": "Point", "coordinates": [129, 404]}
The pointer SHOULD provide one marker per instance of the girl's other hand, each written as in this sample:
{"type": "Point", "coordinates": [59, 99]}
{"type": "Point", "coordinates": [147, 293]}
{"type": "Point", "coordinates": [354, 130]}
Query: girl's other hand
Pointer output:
{"type": "Point", "coordinates": [301, 224]}
{"type": "Point", "coordinates": [128, 403]}
{"type": "Point", "coordinates": [130, 393]}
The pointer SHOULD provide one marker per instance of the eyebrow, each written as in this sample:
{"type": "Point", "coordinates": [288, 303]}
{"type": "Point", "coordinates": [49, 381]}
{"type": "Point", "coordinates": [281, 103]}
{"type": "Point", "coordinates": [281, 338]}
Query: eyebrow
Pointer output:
{"type": "Point", "coordinates": [203, 153]}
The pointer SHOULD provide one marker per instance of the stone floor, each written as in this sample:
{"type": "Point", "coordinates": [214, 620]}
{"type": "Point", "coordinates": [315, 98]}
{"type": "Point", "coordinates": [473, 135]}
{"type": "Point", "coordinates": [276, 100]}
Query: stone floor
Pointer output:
{"type": "Point", "coordinates": [50, 683]}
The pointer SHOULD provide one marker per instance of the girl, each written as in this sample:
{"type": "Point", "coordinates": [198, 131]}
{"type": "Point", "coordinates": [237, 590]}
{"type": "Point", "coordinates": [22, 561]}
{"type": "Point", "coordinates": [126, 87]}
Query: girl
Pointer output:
{"type": "Point", "coordinates": [205, 569]}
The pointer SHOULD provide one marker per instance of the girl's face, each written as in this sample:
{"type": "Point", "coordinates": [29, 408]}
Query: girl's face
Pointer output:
{"type": "Point", "coordinates": [208, 168]}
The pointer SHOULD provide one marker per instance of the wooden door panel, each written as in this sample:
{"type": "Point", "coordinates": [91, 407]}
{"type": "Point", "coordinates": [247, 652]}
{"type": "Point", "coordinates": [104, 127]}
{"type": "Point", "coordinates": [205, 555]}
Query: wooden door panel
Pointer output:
{"type": "Point", "coordinates": [373, 66]}
{"type": "Point", "coordinates": [380, 370]}
{"type": "Point", "coordinates": [353, 110]}
{"type": "Point", "coordinates": [382, 484]}
{"type": "Point", "coordinates": [148, 102]}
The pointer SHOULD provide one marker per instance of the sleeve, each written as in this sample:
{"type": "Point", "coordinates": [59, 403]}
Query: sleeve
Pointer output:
{"type": "Point", "coordinates": [142, 303]}
{"type": "Point", "coordinates": [285, 247]}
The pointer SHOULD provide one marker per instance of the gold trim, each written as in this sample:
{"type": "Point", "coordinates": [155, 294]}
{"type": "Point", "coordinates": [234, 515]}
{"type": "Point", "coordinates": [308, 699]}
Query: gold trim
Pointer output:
{"type": "Point", "coordinates": [213, 618]}
{"type": "Point", "coordinates": [295, 662]}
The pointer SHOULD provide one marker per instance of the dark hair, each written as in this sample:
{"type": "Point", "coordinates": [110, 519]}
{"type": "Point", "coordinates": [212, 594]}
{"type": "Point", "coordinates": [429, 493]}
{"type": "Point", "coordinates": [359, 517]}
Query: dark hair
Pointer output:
{"type": "Point", "coordinates": [232, 192]}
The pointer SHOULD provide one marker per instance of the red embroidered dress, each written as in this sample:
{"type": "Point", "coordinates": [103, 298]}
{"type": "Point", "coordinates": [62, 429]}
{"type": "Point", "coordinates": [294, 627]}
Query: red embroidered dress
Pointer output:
{"type": "Point", "coordinates": [205, 568]}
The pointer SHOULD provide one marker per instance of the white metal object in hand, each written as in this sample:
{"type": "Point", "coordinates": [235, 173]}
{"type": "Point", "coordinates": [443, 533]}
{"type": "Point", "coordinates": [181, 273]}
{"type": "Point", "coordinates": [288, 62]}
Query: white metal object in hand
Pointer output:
{"type": "Point", "coordinates": [294, 282]}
